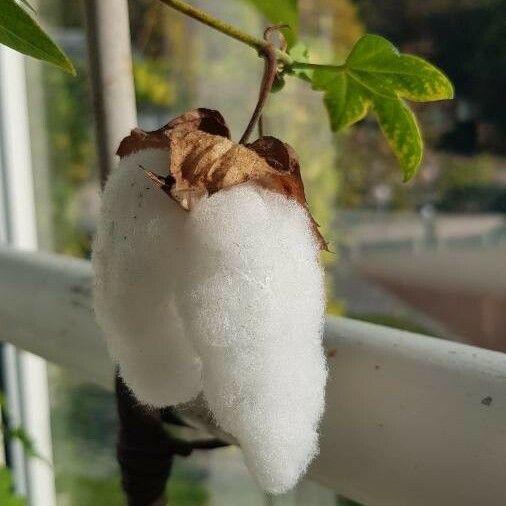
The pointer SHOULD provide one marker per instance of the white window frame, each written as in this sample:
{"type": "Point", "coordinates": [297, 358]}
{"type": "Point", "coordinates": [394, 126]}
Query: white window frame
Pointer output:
{"type": "Point", "coordinates": [25, 375]}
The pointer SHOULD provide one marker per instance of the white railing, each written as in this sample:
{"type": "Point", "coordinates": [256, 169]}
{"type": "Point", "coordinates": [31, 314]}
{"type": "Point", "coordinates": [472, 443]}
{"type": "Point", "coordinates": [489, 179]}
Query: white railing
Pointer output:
{"type": "Point", "coordinates": [410, 420]}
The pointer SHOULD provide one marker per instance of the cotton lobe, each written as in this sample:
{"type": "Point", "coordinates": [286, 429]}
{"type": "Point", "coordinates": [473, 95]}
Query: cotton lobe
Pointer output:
{"type": "Point", "coordinates": [217, 288]}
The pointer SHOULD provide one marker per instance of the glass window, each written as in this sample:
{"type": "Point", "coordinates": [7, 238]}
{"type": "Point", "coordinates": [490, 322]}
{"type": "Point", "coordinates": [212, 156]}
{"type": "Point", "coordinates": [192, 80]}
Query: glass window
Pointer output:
{"type": "Point", "coordinates": [392, 243]}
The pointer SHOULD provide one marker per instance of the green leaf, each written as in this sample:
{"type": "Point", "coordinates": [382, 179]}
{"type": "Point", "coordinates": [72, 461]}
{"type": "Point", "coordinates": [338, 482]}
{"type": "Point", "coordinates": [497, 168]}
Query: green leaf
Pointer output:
{"type": "Point", "coordinates": [28, 5]}
{"type": "Point", "coordinates": [21, 32]}
{"type": "Point", "coordinates": [280, 12]}
{"type": "Point", "coordinates": [346, 101]}
{"type": "Point", "coordinates": [377, 61]}
{"type": "Point", "coordinates": [300, 53]}
{"type": "Point", "coordinates": [399, 125]}
{"type": "Point", "coordinates": [376, 74]}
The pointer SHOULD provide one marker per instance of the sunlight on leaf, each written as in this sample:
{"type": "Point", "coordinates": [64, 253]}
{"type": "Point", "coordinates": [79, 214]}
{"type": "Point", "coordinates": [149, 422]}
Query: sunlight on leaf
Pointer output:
{"type": "Point", "coordinates": [376, 75]}
{"type": "Point", "coordinates": [21, 32]}
{"type": "Point", "coordinates": [376, 61]}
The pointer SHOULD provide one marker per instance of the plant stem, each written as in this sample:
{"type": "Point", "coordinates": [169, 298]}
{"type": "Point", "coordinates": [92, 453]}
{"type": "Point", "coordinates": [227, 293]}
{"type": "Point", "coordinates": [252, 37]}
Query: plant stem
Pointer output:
{"type": "Point", "coordinates": [227, 29]}
{"type": "Point", "coordinates": [322, 66]}
{"type": "Point", "coordinates": [270, 70]}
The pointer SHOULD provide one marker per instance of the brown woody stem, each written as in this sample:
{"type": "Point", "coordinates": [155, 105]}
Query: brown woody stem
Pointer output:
{"type": "Point", "coordinates": [260, 126]}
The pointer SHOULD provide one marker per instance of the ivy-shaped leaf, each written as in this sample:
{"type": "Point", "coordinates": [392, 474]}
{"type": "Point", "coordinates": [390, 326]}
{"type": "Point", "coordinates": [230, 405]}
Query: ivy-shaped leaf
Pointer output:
{"type": "Point", "coordinates": [21, 32]}
{"type": "Point", "coordinates": [280, 12]}
{"type": "Point", "coordinates": [376, 74]}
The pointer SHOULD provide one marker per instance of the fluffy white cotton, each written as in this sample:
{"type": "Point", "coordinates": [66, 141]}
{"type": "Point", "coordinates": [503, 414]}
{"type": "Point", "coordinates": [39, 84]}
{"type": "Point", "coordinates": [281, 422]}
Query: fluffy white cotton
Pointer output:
{"type": "Point", "coordinates": [252, 301]}
{"type": "Point", "coordinates": [135, 259]}
{"type": "Point", "coordinates": [229, 298]}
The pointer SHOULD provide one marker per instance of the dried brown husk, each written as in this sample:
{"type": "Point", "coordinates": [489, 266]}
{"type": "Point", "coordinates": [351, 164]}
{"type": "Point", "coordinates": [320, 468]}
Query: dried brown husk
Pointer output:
{"type": "Point", "coordinates": [203, 160]}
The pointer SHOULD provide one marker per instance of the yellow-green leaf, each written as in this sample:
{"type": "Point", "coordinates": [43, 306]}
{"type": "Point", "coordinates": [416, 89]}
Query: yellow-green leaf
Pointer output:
{"type": "Point", "coordinates": [345, 100]}
{"type": "Point", "coordinates": [21, 32]}
{"type": "Point", "coordinates": [377, 61]}
{"type": "Point", "coordinates": [416, 79]}
{"type": "Point", "coordinates": [399, 125]}
{"type": "Point", "coordinates": [376, 73]}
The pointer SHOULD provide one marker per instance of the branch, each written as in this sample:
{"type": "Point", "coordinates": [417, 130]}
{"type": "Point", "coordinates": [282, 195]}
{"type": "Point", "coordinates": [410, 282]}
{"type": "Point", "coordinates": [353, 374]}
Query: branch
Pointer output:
{"type": "Point", "coordinates": [254, 42]}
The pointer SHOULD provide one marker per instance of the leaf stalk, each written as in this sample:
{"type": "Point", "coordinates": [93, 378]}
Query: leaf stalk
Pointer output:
{"type": "Point", "coordinates": [314, 66]}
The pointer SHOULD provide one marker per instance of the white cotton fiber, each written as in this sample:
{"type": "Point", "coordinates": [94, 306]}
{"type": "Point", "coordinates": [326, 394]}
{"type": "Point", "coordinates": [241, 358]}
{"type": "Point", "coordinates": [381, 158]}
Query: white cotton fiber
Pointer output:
{"type": "Point", "coordinates": [252, 300]}
{"type": "Point", "coordinates": [227, 297]}
{"type": "Point", "coordinates": [135, 259]}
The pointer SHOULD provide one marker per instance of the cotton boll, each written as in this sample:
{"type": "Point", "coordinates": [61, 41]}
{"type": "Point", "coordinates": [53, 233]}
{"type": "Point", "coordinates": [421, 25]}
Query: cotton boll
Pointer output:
{"type": "Point", "coordinates": [252, 302]}
{"type": "Point", "coordinates": [135, 260]}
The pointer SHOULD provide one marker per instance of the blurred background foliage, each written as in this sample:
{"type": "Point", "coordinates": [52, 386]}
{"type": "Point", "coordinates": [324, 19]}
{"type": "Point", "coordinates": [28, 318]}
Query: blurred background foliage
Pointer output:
{"type": "Point", "coordinates": [180, 65]}
{"type": "Point", "coordinates": [174, 71]}
{"type": "Point", "coordinates": [7, 498]}
{"type": "Point", "coordinates": [9, 432]}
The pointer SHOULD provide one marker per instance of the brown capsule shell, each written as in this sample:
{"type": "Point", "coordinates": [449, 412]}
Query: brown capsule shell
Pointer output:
{"type": "Point", "coordinates": [203, 160]}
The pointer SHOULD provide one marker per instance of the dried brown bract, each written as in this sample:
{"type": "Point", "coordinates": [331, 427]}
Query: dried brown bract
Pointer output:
{"type": "Point", "coordinates": [203, 160]}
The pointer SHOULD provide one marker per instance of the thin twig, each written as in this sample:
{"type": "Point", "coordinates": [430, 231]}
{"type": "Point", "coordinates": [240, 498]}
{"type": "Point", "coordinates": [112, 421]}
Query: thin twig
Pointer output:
{"type": "Point", "coordinates": [227, 29]}
{"type": "Point", "coordinates": [255, 42]}
{"type": "Point", "coordinates": [261, 125]}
